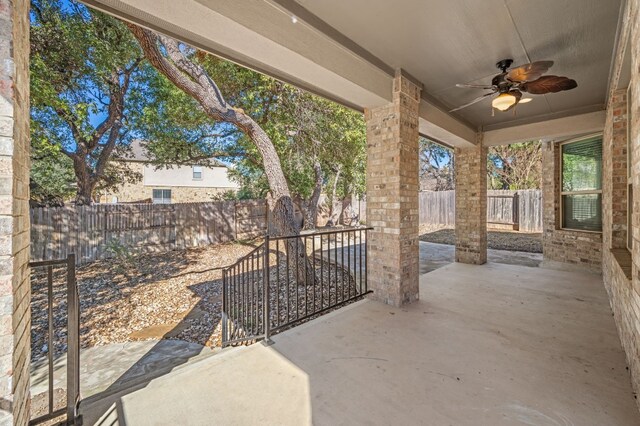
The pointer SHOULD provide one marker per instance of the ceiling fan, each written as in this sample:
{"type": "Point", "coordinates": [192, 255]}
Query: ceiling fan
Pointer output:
{"type": "Point", "coordinates": [508, 86]}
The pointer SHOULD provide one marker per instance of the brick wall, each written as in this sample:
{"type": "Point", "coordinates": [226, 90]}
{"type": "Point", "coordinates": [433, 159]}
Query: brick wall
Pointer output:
{"type": "Point", "coordinates": [392, 195]}
{"type": "Point", "coordinates": [14, 212]}
{"type": "Point", "coordinates": [621, 273]}
{"type": "Point", "coordinates": [471, 204]}
{"type": "Point", "coordinates": [583, 249]}
{"type": "Point", "coordinates": [614, 173]}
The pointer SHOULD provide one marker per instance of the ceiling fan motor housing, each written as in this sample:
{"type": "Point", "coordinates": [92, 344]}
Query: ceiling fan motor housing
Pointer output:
{"type": "Point", "coordinates": [500, 81]}
{"type": "Point", "coordinates": [504, 64]}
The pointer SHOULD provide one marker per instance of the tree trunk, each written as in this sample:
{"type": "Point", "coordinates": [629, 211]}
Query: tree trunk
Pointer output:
{"type": "Point", "coordinates": [311, 208]}
{"type": "Point", "coordinates": [193, 79]}
{"type": "Point", "coordinates": [347, 210]}
{"type": "Point", "coordinates": [335, 211]}
{"type": "Point", "coordinates": [84, 195]}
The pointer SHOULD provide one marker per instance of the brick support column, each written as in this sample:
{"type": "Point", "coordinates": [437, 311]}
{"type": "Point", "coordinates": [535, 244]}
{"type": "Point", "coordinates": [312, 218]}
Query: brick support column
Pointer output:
{"type": "Point", "coordinates": [15, 295]}
{"type": "Point", "coordinates": [471, 204]}
{"type": "Point", "coordinates": [392, 195]}
{"type": "Point", "coordinates": [614, 173]}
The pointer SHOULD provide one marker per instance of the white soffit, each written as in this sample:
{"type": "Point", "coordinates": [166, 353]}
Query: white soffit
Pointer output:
{"type": "Point", "coordinates": [551, 129]}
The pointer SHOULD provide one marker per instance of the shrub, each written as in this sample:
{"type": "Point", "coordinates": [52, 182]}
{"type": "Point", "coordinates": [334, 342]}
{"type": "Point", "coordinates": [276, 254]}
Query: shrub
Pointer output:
{"type": "Point", "coordinates": [121, 253]}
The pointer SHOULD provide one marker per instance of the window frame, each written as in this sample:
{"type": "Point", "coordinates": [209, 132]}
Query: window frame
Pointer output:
{"type": "Point", "coordinates": [163, 198]}
{"type": "Point", "coordinates": [193, 172]}
{"type": "Point", "coordinates": [584, 192]}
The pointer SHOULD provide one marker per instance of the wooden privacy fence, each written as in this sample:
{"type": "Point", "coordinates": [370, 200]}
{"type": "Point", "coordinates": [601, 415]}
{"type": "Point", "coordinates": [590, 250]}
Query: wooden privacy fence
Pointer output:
{"type": "Point", "coordinates": [438, 208]}
{"type": "Point", "coordinates": [88, 231]}
{"type": "Point", "coordinates": [530, 208]}
{"type": "Point", "coordinates": [520, 210]}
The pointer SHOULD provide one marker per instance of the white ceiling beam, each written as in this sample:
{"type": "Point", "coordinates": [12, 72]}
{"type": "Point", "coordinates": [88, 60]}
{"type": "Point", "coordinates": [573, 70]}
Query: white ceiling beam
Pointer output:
{"type": "Point", "coordinates": [558, 128]}
{"type": "Point", "coordinates": [262, 37]}
{"type": "Point", "coordinates": [441, 126]}
{"type": "Point", "coordinates": [341, 76]}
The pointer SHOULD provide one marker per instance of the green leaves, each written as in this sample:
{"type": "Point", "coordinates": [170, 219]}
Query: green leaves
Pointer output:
{"type": "Point", "coordinates": [83, 78]}
{"type": "Point", "coordinates": [52, 178]}
{"type": "Point", "coordinates": [83, 60]}
{"type": "Point", "coordinates": [303, 127]}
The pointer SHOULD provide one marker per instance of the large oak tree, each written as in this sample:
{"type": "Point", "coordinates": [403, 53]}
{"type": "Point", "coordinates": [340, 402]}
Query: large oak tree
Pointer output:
{"type": "Point", "coordinates": [83, 87]}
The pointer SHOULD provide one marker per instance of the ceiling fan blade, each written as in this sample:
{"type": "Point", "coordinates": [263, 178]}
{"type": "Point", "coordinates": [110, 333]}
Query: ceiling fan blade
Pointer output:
{"type": "Point", "coordinates": [475, 86]}
{"type": "Point", "coordinates": [549, 84]}
{"type": "Point", "coordinates": [529, 72]}
{"type": "Point", "coordinates": [476, 100]}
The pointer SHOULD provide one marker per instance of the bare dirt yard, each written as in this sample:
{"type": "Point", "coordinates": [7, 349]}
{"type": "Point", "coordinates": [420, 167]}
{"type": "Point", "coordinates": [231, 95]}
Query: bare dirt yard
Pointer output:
{"type": "Point", "coordinates": [175, 294]}
{"type": "Point", "coordinates": [497, 240]}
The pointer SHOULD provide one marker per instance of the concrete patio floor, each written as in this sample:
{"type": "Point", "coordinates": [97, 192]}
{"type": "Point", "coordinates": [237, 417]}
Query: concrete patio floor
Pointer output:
{"type": "Point", "coordinates": [485, 345]}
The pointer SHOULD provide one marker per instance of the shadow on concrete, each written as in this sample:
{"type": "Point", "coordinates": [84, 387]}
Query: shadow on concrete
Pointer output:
{"type": "Point", "coordinates": [490, 344]}
{"type": "Point", "coordinates": [164, 357]}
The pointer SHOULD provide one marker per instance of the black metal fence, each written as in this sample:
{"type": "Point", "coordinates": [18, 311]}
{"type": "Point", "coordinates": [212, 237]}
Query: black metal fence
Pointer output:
{"type": "Point", "coordinates": [288, 280]}
{"type": "Point", "coordinates": [72, 338]}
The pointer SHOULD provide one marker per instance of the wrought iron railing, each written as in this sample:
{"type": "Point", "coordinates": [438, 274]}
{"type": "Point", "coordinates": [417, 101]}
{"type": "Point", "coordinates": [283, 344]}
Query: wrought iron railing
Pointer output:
{"type": "Point", "coordinates": [288, 280]}
{"type": "Point", "coordinates": [72, 343]}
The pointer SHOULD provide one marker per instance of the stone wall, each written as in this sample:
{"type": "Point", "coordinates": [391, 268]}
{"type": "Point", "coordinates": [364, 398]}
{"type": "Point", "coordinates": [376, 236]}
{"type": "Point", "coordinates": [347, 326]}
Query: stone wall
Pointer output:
{"type": "Point", "coordinates": [620, 267]}
{"type": "Point", "coordinates": [392, 195]}
{"type": "Point", "coordinates": [578, 248]}
{"type": "Point", "coordinates": [471, 204]}
{"type": "Point", "coordinates": [132, 192]}
{"type": "Point", "coordinates": [15, 319]}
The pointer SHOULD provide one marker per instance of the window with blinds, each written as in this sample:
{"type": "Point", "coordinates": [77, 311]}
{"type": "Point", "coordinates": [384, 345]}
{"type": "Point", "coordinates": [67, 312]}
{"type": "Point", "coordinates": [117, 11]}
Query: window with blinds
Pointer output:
{"type": "Point", "coordinates": [581, 186]}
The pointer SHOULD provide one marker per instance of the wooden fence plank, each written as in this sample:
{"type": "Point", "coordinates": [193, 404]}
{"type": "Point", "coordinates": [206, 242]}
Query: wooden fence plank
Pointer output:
{"type": "Point", "coordinates": [503, 208]}
{"type": "Point", "coordinates": [88, 230]}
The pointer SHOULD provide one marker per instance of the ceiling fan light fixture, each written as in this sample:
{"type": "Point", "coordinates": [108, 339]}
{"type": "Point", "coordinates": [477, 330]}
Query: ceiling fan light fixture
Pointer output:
{"type": "Point", "coordinates": [504, 101]}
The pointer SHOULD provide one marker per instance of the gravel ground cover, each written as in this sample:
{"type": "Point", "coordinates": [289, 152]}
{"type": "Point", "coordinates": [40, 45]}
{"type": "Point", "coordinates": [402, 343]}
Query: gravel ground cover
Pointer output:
{"type": "Point", "coordinates": [331, 287]}
{"type": "Point", "coordinates": [171, 295]}
{"type": "Point", "coordinates": [175, 294]}
{"type": "Point", "coordinates": [497, 240]}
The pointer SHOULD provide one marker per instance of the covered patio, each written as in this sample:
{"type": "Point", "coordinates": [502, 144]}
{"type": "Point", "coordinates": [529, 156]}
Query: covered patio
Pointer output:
{"type": "Point", "coordinates": [532, 346]}
{"type": "Point", "coordinates": [470, 343]}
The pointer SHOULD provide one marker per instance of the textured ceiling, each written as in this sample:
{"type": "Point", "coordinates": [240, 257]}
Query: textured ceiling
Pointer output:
{"type": "Point", "coordinates": [444, 42]}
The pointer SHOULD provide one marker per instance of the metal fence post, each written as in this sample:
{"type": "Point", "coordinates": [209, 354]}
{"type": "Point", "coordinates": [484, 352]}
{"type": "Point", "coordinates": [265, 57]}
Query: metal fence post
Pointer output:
{"type": "Point", "coordinates": [73, 345]}
{"type": "Point", "coordinates": [225, 302]}
{"type": "Point", "coordinates": [266, 309]}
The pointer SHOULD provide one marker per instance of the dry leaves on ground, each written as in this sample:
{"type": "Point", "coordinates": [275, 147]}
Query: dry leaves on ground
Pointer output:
{"type": "Point", "coordinates": [174, 294]}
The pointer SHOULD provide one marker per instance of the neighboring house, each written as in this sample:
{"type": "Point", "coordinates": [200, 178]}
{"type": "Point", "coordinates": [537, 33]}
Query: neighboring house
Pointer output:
{"type": "Point", "coordinates": [176, 184]}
